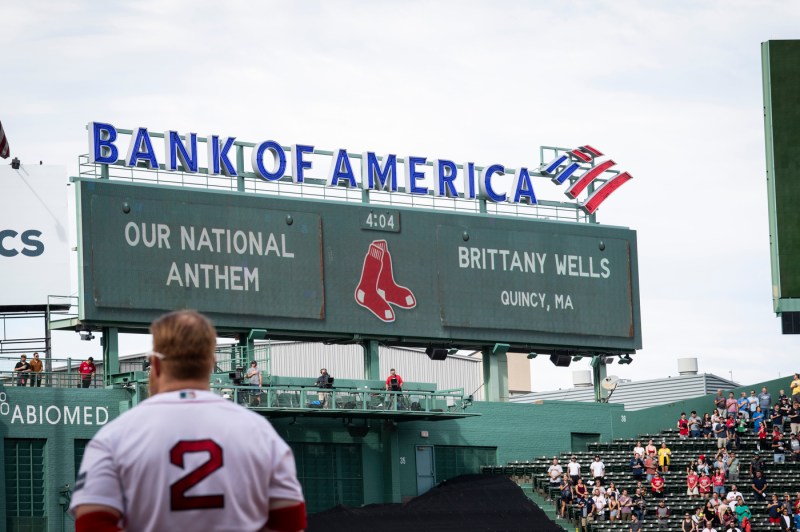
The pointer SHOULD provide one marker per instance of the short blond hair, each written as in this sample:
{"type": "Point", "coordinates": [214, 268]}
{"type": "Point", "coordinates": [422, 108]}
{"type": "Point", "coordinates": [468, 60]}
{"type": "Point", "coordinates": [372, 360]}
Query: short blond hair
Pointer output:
{"type": "Point", "coordinates": [187, 339]}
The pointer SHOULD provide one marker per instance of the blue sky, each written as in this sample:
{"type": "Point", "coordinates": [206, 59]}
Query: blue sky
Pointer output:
{"type": "Point", "coordinates": [671, 89]}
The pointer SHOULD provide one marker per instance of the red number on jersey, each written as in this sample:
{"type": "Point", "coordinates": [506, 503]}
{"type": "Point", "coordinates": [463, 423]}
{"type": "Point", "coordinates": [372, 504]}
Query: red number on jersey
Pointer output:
{"type": "Point", "coordinates": [178, 500]}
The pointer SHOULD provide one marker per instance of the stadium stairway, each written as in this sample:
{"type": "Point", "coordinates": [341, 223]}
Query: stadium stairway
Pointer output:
{"type": "Point", "coordinates": [616, 455]}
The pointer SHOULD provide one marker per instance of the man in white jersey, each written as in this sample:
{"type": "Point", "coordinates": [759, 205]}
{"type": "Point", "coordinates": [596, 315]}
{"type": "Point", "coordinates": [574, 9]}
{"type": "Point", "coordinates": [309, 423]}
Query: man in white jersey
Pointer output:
{"type": "Point", "coordinates": [185, 458]}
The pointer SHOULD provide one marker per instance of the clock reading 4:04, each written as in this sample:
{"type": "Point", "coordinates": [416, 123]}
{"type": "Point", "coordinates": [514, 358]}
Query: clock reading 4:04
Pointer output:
{"type": "Point", "coordinates": [382, 221]}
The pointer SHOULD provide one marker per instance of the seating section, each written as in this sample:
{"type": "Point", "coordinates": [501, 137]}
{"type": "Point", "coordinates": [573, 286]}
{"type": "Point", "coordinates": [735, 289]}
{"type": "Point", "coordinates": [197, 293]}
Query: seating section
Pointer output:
{"type": "Point", "coordinates": [782, 478]}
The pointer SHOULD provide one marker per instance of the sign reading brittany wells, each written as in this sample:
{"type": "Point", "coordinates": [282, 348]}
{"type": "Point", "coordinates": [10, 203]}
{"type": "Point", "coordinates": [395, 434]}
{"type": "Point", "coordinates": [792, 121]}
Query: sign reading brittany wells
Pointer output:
{"type": "Point", "coordinates": [325, 270]}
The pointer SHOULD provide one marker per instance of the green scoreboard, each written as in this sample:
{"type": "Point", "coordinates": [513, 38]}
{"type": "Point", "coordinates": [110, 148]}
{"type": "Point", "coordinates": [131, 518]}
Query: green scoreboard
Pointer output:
{"type": "Point", "coordinates": [781, 78]}
{"type": "Point", "coordinates": [335, 271]}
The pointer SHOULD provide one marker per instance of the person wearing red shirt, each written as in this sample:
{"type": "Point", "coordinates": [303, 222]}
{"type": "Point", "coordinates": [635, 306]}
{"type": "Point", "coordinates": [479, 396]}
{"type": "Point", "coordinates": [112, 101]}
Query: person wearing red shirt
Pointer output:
{"type": "Point", "coordinates": [87, 371]}
{"type": "Point", "coordinates": [657, 485]}
{"type": "Point", "coordinates": [719, 483]}
{"type": "Point", "coordinates": [394, 381]}
{"type": "Point", "coordinates": [705, 485]}
{"type": "Point", "coordinates": [683, 426]}
{"type": "Point", "coordinates": [691, 484]}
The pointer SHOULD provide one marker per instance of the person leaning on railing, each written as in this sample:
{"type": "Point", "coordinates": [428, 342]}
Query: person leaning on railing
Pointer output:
{"type": "Point", "coordinates": [22, 370]}
{"type": "Point", "coordinates": [36, 370]}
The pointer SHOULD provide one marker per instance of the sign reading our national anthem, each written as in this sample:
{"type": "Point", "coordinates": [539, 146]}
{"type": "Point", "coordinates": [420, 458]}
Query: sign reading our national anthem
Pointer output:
{"type": "Point", "coordinates": [326, 270]}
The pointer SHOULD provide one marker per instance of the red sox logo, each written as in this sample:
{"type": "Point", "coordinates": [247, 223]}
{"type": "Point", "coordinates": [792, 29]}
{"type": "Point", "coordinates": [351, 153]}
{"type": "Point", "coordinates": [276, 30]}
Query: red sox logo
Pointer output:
{"type": "Point", "coordinates": [377, 291]}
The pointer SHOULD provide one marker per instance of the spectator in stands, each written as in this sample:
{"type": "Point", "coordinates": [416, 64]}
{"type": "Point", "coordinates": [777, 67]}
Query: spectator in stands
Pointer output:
{"type": "Point", "coordinates": [638, 449]}
{"type": "Point", "coordinates": [758, 419]}
{"type": "Point", "coordinates": [756, 464]}
{"type": "Point", "coordinates": [580, 489]}
{"type": "Point", "coordinates": [697, 518]}
{"type": "Point", "coordinates": [599, 501]}
{"type": "Point", "coordinates": [733, 467]}
{"type": "Point", "coordinates": [555, 472]}
{"type": "Point", "coordinates": [694, 424]}
{"type": "Point", "coordinates": [613, 507]}
{"type": "Point", "coordinates": [743, 514]}
{"type": "Point", "coordinates": [639, 505]}
{"type": "Point", "coordinates": [727, 518]}
{"type": "Point", "coordinates": [22, 370]}
{"type": "Point", "coordinates": [662, 515]}
{"type": "Point", "coordinates": [731, 405]}
{"type": "Point", "coordinates": [584, 506]}
{"type": "Point", "coordinates": [657, 485]}
{"type": "Point", "coordinates": [718, 481]}
{"type": "Point", "coordinates": [683, 426]}
{"type": "Point", "coordinates": [730, 427]}
{"type": "Point", "coordinates": [720, 460]}
{"type": "Point", "coordinates": [708, 425]}
{"type": "Point", "coordinates": [637, 467]}
{"type": "Point", "coordinates": [794, 447]}
{"type": "Point", "coordinates": [664, 457]}
{"type": "Point", "coordinates": [709, 527]}
{"type": "Point", "coordinates": [794, 418]}
{"type": "Point", "coordinates": [715, 502]}
{"type": "Point", "coordinates": [598, 486]}
{"type": "Point", "coordinates": [394, 382]}
{"type": "Point", "coordinates": [565, 489]}
{"type": "Point", "coordinates": [704, 484]}
{"type": "Point", "coordinates": [744, 408]}
{"type": "Point", "coordinates": [36, 371]}
{"type": "Point", "coordinates": [752, 402]}
{"type": "Point", "coordinates": [598, 469]}
{"type": "Point", "coordinates": [574, 469]}
{"type": "Point", "coordinates": [710, 514]}
{"type": "Point", "coordinates": [778, 450]}
{"type": "Point", "coordinates": [720, 433]}
{"type": "Point", "coordinates": [87, 370]}
{"type": "Point", "coordinates": [774, 510]}
{"type": "Point", "coordinates": [719, 403]}
{"type": "Point", "coordinates": [733, 495]}
{"type": "Point", "coordinates": [625, 506]}
{"type": "Point", "coordinates": [687, 525]}
{"type": "Point", "coordinates": [795, 386]}
{"type": "Point", "coordinates": [786, 412]}
{"type": "Point", "coordinates": [612, 489]}
{"type": "Point", "coordinates": [702, 465]}
{"type": "Point", "coordinates": [759, 486]}
{"type": "Point", "coordinates": [650, 467]}
{"type": "Point", "coordinates": [741, 429]}
{"type": "Point", "coordinates": [776, 418]}
{"type": "Point", "coordinates": [765, 401]}
{"type": "Point", "coordinates": [691, 484]}
{"type": "Point", "coordinates": [651, 449]}
{"type": "Point", "coordinates": [636, 525]}
{"type": "Point", "coordinates": [786, 522]}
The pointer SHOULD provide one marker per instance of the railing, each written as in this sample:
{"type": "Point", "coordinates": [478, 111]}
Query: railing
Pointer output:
{"type": "Point", "coordinates": [51, 379]}
{"type": "Point", "coordinates": [301, 398]}
{"type": "Point", "coordinates": [62, 307]}
{"type": "Point", "coordinates": [233, 357]}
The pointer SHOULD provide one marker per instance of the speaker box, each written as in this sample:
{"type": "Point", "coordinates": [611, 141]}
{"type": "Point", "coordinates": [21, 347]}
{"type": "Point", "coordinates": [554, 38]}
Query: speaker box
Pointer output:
{"type": "Point", "coordinates": [436, 353]}
{"type": "Point", "coordinates": [561, 361]}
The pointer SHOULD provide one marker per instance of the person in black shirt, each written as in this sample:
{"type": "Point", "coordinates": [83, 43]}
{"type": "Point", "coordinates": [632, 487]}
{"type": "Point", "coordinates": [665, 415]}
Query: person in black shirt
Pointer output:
{"type": "Point", "coordinates": [637, 467]}
{"type": "Point", "coordinates": [22, 370]}
{"type": "Point", "coordinates": [759, 486]}
{"type": "Point", "coordinates": [324, 381]}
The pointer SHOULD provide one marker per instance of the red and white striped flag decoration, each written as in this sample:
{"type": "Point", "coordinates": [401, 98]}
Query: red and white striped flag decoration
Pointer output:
{"type": "Point", "coordinates": [4, 150]}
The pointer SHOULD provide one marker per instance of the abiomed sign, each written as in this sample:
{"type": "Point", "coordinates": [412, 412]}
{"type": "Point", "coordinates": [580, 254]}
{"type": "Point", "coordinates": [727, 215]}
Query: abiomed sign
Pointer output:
{"type": "Point", "coordinates": [269, 161]}
{"type": "Point", "coordinates": [343, 271]}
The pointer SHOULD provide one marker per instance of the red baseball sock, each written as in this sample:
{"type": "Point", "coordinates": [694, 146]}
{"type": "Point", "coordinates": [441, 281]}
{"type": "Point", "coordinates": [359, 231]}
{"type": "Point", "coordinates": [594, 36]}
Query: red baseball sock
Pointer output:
{"type": "Point", "coordinates": [366, 292]}
{"type": "Point", "coordinates": [391, 291]}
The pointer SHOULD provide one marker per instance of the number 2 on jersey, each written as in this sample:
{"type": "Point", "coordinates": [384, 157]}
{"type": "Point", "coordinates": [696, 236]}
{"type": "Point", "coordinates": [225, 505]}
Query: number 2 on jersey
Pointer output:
{"type": "Point", "coordinates": [178, 499]}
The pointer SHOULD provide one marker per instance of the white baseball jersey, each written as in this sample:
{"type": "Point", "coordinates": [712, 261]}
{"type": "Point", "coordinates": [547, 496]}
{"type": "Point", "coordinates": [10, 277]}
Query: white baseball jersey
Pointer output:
{"type": "Point", "coordinates": [187, 460]}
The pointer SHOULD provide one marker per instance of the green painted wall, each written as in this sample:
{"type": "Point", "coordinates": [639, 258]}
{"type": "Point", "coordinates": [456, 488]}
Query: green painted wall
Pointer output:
{"type": "Point", "coordinates": [38, 413]}
{"type": "Point", "coordinates": [656, 419]}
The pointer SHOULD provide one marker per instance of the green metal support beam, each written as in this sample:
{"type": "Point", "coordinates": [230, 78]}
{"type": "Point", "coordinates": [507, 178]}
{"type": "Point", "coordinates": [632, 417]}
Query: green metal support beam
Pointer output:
{"type": "Point", "coordinates": [495, 372]}
{"type": "Point", "coordinates": [110, 352]}
{"type": "Point", "coordinates": [372, 369]}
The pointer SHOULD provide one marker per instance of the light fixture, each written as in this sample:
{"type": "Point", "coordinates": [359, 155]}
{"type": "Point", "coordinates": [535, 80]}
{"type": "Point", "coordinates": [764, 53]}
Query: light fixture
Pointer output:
{"type": "Point", "coordinates": [15, 164]}
{"type": "Point", "coordinates": [576, 358]}
{"type": "Point", "coordinates": [532, 355]}
{"type": "Point", "coordinates": [625, 359]}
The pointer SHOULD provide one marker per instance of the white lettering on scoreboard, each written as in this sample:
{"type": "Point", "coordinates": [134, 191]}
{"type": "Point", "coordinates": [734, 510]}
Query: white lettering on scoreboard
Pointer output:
{"type": "Point", "coordinates": [52, 414]}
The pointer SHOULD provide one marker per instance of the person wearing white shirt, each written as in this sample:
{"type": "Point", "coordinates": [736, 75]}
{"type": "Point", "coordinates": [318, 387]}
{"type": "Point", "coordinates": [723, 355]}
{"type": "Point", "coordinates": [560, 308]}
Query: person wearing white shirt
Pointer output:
{"type": "Point", "coordinates": [554, 472]}
{"type": "Point", "coordinates": [598, 469]}
{"type": "Point", "coordinates": [574, 469]}
{"type": "Point", "coordinates": [639, 450]}
{"type": "Point", "coordinates": [733, 494]}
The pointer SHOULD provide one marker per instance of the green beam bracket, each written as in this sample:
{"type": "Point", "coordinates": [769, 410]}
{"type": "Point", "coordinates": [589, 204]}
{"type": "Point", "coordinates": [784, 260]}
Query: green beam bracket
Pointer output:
{"type": "Point", "coordinates": [372, 360]}
{"type": "Point", "coordinates": [110, 352]}
{"type": "Point", "coordinates": [495, 372]}
{"type": "Point", "coordinates": [599, 371]}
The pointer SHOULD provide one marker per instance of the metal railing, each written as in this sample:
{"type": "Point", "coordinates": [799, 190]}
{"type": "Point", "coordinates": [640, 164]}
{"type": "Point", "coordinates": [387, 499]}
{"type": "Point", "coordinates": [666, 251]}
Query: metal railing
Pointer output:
{"type": "Point", "coordinates": [51, 379]}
